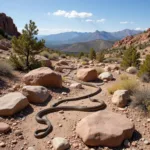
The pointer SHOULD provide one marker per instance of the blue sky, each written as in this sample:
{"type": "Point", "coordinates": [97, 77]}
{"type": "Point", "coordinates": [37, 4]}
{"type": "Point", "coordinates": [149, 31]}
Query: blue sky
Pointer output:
{"type": "Point", "coordinates": [55, 16]}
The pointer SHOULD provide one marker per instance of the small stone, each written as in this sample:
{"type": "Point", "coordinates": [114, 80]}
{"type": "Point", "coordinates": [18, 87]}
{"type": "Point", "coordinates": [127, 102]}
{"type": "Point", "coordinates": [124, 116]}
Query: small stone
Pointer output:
{"type": "Point", "coordinates": [60, 143]}
{"type": "Point", "coordinates": [4, 127]}
{"type": "Point", "coordinates": [2, 144]}
{"type": "Point", "coordinates": [61, 111]}
{"type": "Point", "coordinates": [31, 148]}
{"type": "Point", "coordinates": [64, 93]}
{"type": "Point", "coordinates": [18, 132]}
{"type": "Point", "coordinates": [148, 120]}
{"type": "Point", "coordinates": [60, 125]}
{"type": "Point", "coordinates": [146, 142]}
{"type": "Point", "coordinates": [14, 142]}
{"type": "Point", "coordinates": [126, 143]}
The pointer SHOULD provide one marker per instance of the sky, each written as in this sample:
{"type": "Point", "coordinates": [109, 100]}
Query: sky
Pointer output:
{"type": "Point", "coordinates": [56, 16]}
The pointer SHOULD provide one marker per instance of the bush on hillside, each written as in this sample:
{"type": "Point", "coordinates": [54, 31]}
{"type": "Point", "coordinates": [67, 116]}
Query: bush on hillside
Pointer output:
{"type": "Point", "coordinates": [130, 58]}
{"type": "Point", "coordinates": [100, 57]}
{"type": "Point", "coordinates": [54, 56]}
{"type": "Point", "coordinates": [129, 84]}
{"type": "Point", "coordinates": [80, 55]}
{"type": "Point", "coordinates": [92, 54]}
{"type": "Point", "coordinates": [141, 99]}
{"type": "Point", "coordinates": [145, 67]}
{"type": "Point", "coordinates": [5, 68]}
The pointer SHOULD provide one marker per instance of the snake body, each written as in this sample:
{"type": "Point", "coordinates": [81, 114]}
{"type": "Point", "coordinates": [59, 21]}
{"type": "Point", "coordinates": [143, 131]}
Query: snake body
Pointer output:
{"type": "Point", "coordinates": [42, 119]}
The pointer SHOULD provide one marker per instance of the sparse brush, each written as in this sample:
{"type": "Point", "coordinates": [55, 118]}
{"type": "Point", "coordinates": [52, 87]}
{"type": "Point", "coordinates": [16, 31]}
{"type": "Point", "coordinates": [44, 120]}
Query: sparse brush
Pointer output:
{"type": "Point", "coordinates": [84, 62]}
{"type": "Point", "coordinates": [130, 84]}
{"type": "Point", "coordinates": [45, 54]}
{"type": "Point", "coordinates": [124, 77]}
{"type": "Point", "coordinates": [99, 70]}
{"type": "Point", "coordinates": [6, 68]}
{"type": "Point", "coordinates": [54, 56]}
{"type": "Point", "coordinates": [85, 58]}
{"type": "Point", "coordinates": [141, 98]}
{"type": "Point", "coordinates": [114, 88]}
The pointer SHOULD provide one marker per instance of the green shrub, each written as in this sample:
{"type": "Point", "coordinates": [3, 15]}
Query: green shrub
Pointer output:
{"type": "Point", "coordinates": [130, 84]}
{"type": "Point", "coordinates": [145, 67]}
{"type": "Point", "coordinates": [80, 55]}
{"type": "Point", "coordinates": [92, 54]}
{"type": "Point", "coordinates": [130, 58]}
{"type": "Point", "coordinates": [6, 68]}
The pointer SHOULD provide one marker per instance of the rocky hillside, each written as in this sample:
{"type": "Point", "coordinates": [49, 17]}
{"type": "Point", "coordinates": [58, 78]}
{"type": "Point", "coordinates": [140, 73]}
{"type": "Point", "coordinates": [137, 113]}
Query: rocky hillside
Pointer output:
{"type": "Point", "coordinates": [7, 25]}
{"type": "Point", "coordinates": [137, 40]}
{"type": "Point", "coordinates": [86, 46]}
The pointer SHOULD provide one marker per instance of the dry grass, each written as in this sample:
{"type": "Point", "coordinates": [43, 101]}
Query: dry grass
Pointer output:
{"type": "Point", "coordinates": [124, 77]}
{"type": "Point", "coordinates": [129, 84]}
{"type": "Point", "coordinates": [6, 68]}
{"type": "Point", "coordinates": [54, 56]}
{"type": "Point", "coordinates": [141, 98]}
{"type": "Point", "coordinates": [99, 70]}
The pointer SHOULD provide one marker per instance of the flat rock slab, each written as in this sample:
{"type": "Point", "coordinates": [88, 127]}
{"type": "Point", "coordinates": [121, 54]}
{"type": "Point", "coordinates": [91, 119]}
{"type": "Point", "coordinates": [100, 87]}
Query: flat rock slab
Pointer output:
{"type": "Point", "coordinates": [4, 127]}
{"type": "Point", "coordinates": [12, 103]}
{"type": "Point", "coordinates": [105, 128]}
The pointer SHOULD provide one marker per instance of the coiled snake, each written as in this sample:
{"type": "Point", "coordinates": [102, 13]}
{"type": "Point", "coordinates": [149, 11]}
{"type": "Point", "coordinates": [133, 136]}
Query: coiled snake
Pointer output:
{"type": "Point", "coordinates": [42, 119]}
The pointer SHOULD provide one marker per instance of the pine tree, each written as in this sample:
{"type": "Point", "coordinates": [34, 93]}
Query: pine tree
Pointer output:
{"type": "Point", "coordinates": [130, 58]}
{"type": "Point", "coordinates": [81, 54]}
{"type": "Point", "coordinates": [92, 54]}
{"type": "Point", "coordinates": [26, 46]}
{"type": "Point", "coordinates": [100, 57]}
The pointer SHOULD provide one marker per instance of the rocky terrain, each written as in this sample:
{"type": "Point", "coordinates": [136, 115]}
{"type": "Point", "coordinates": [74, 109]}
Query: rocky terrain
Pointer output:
{"type": "Point", "coordinates": [118, 126]}
{"type": "Point", "coordinates": [7, 25]}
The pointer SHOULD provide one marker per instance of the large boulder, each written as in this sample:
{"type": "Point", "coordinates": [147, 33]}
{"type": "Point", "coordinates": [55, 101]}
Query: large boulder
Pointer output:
{"type": "Point", "coordinates": [105, 76]}
{"type": "Point", "coordinates": [43, 76]}
{"type": "Point", "coordinates": [131, 70]}
{"type": "Point", "coordinates": [35, 94]}
{"type": "Point", "coordinates": [87, 74]}
{"type": "Point", "coordinates": [105, 128]}
{"type": "Point", "coordinates": [45, 61]}
{"type": "Point", "coordinates": [12, 103]}
{"type": "Point", "coordinates": [120, 98]}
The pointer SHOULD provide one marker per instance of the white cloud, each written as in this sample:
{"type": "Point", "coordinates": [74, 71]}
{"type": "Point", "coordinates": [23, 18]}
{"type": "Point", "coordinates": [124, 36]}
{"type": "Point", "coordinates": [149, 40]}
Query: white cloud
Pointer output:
{"type": "Point", "coordinates": [101, 20]}
{"type": "Point", "coordinates": [138, 28]}
{"type": "Point", "coordinates": [48, 13]}
{"type": "Point", "coordinates": [89, 20]}
{"type": "Point", "coordinates": [72, 14]}
{"type": "Point", "coordinates": [126, 22]}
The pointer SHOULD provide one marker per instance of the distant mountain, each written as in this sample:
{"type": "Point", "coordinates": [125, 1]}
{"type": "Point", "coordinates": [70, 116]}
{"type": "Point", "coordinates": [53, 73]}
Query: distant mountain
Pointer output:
{"type": "Point", "coordinates": [76, 37]}
{"type": "Point", "coordinates": [86, 46]}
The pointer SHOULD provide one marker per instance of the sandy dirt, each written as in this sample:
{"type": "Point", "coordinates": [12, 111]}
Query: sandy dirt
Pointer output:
{"type": "Point", "coordinates": [64, 123]}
